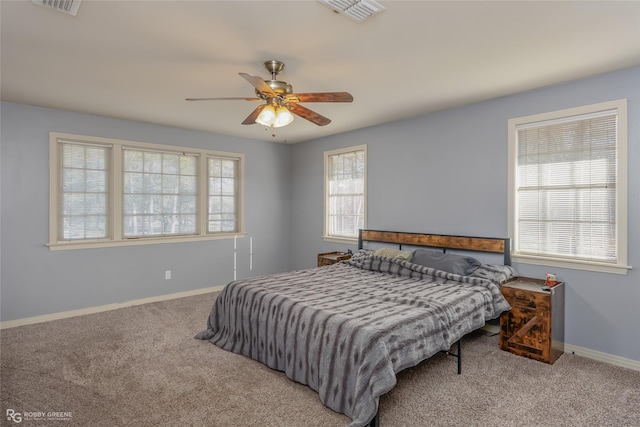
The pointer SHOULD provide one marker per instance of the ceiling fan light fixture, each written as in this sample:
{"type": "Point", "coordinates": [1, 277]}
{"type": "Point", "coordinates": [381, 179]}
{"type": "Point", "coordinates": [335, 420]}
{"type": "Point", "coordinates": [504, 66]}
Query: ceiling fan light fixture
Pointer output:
{"type": "Point", "coordinates": [274, 117]}
{"type": "Point", "coordinates": [281, 103]}
{"type": "Point", "coordinates": [267, 116]}
{"type": "Point", "coordinates": [283, 117]}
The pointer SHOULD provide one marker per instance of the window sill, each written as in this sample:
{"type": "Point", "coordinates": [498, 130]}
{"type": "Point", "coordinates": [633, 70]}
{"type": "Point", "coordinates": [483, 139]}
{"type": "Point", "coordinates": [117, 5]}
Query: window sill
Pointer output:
{"type": "Point", "coordinates": [71, 245]}
{"type": "Point", "coordinates": [602, 267]}
{"type": "Point", "coordinates": [345, 240]}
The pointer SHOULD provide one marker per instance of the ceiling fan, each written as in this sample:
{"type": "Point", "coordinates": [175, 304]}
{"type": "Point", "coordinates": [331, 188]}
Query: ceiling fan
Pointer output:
{"type": "Point", "coordinates": [280, 101]}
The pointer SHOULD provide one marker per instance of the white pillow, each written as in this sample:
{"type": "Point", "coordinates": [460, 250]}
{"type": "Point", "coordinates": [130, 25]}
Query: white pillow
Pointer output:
{"type": "Point", "coordinates": [393, 253]}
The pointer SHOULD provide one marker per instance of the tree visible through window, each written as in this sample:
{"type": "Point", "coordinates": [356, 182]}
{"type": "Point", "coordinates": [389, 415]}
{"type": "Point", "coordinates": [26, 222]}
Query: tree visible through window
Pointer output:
{"type": "Point", "coordinates": [160, 193]}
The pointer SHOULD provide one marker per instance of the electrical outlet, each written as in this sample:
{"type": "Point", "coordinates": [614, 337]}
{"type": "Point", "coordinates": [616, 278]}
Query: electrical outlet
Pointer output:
{"type": "Point", "coordinates": [167, 274]}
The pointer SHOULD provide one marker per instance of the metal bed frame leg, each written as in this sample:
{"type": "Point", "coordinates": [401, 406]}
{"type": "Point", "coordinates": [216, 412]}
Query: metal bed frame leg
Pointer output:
{"type": "Point", "coordinates": [458, 355]}
{"type": "Point", "coordinates": [375, 422]}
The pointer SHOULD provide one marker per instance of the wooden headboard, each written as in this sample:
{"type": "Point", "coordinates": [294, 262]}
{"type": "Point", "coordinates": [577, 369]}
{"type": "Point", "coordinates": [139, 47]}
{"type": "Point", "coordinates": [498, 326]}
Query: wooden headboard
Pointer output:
{"type": "Point", "coordinates": [440, 241]}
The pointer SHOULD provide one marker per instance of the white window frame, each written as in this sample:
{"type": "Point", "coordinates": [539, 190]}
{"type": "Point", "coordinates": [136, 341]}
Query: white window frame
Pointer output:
{"type": "Point", "coordinates": [620, 266]}
{"type": "Point", "coordinates": [116, 213]}
{"type": "Point", "coordinates": [327, 154]}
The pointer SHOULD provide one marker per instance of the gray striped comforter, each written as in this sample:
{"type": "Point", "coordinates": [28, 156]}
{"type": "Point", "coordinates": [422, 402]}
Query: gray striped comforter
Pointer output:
{"type": "Point", "coordinates": [347, 329]}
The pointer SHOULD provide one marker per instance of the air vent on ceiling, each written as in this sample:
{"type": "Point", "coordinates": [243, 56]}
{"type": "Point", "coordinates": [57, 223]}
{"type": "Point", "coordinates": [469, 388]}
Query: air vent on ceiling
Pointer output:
{"type": "Point", "coordinates": [358, 10]}
{"type": "Point", "coordinates": [66, 6]}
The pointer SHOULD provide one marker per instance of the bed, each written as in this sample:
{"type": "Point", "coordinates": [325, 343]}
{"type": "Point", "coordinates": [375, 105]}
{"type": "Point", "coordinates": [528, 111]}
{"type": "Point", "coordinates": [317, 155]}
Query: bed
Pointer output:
{"type": "Point", "coordinates": [347, 329]}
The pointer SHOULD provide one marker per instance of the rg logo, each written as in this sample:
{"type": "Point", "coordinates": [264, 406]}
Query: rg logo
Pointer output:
{"type": "Point", "coordinates": [14, 416]}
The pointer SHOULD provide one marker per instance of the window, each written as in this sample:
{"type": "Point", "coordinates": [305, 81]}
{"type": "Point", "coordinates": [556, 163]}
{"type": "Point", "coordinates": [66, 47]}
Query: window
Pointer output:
{"type": "Point", "coordinates": [110, 192]}
{"type": "Point", "coordinates": [84, 195]}
{"type": "Point", "coordinates": [567, 178]}
{"type": "Point", "coordinates": [223, 190]}
{"type": "Point", "coordinates": [160, 193]}
{"type": "Point", "coordinates": [345, 192]}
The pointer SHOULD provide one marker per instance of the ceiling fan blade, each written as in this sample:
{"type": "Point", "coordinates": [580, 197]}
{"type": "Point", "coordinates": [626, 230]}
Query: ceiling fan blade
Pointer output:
{"type": "Point", "coordinates": [307, 114]}
{"type": "Point", "coordinates": [258, 83]}
{"type": "Point", "coordinates": [320, 97]}
{"type": "Point", "coordinates": [222, 99]}
{"type": "Point", "coordinates": [251, 118]}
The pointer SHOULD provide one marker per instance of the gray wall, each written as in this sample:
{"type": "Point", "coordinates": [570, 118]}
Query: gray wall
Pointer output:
{"type": "Point", "coordinates": [37, 281]}
{"type": "Point", "coordinates": [446, 172]}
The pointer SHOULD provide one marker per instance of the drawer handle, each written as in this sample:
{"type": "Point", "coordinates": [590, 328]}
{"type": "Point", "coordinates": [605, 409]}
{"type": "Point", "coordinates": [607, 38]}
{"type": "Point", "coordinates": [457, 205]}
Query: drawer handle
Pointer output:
{"type": "Point", "coordinates": [524, 299]}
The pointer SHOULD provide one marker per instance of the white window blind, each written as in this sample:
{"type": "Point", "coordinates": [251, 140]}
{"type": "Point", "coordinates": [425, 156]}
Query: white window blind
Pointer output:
{"type": "Point", "coordinates": [223, 191]}
{"type": "Point", "coordinates": [84, 191]}
{"type": "Point", "coordinates": [159, 193]}
{"type": "Point", "coordinates": [345, 197]}
{"type": "Point", "coordinates": [567, 188]}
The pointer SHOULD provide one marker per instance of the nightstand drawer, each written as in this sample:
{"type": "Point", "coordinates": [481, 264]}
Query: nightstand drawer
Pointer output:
{"type": "Point", "coordinates": [528, 332]}
{"type": "Point", "coordinates": [329, 258]}
{"type": "Point", "coordinates": [526, 299]}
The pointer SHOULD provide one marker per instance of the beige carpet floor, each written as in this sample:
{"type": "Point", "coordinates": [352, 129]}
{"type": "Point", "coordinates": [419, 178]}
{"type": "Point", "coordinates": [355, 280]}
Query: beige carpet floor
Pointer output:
{"type": "Point", "coordinates": [141, 366]}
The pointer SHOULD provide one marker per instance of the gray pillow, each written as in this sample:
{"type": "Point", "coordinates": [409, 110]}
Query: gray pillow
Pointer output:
{"type": "Point", "coordinates": [452, 263]}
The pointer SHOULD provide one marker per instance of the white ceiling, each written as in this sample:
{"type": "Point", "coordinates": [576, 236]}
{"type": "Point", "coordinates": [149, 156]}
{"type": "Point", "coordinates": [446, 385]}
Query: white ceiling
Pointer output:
{"type": "Point", "coordinates": [138, 60]}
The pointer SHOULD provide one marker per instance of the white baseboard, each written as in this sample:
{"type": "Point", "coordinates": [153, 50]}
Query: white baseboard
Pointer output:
{"type": "Point", "coordinates": [602, 357]}
{"type": "Point", "coordinates": [99, 309]}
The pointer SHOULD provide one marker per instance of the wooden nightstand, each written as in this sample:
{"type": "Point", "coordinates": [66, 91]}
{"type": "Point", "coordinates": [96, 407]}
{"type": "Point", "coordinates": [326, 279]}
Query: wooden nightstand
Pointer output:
{"type": "Point", "coordinates": [329, 258]}
{"type": "Point", "coordinates": [534, 327]}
